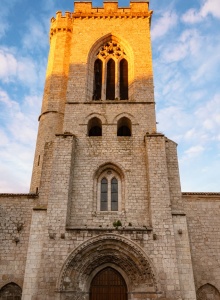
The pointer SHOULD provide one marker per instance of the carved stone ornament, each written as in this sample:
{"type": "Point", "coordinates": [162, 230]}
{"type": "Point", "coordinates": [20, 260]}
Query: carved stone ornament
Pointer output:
{"type": "Point", "coordinates": [111, 48]}
{"type": "Point", "coordinates": [112, 250]}
{"type": "Point", "coordinates": [208, 292]}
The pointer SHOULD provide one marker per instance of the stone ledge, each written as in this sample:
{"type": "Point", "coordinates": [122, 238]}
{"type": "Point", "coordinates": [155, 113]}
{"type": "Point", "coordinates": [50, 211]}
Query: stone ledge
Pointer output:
{"type": "Point", "coordinates": [110, 102]}
{"type": "Point", "coordinates": [31, 195]}
{"type": "Point", "coordinates": [201, 193]}
{"type": "Point", "coordinates": [84, 228]}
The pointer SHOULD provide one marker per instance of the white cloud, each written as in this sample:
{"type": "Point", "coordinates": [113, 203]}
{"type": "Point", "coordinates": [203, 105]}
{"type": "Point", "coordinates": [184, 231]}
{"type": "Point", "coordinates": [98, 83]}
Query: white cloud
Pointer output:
{"type": "Point", "coordinates": [17, 141]}
{"type": "Point", "coordinates": [164, 24]}
{"type": "Point", "coordinates": [15, 67]}
{"type": "Point", "coordinates": [5, 11]}
{"type": "Point", "coordinates": [8, 64]}
{"type": "Point", "coordinates": [188, 44]}
{"type": "Point", "coordinates": [36, 35]}
{"type": "Point", "coordinates": [211, 7]}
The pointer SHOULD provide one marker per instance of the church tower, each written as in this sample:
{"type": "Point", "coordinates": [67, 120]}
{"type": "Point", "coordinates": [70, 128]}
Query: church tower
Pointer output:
{"type": "Point", "coordinates": [109, 222]}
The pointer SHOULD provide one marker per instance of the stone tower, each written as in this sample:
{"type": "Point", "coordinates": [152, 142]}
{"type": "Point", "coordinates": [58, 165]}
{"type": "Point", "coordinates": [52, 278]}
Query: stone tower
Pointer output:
{"type": "Point", "coordinates": [108, 183]}
{"type": "Point", "coordinates": [105, 217]}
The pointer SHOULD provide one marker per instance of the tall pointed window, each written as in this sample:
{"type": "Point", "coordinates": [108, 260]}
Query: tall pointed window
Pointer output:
{"type": "Point", "coordinates": [123, 79]}
{"type": "Point", "coordinates": [97, 91]}
{"type": "Point", "coordinates": [109, 191]}
{"type": "Point", "coordinates": [114, 194]}
{"type": "Point", "coordinates": [104, 194]}
{"type": "Point", "coordinates": [110, 80]}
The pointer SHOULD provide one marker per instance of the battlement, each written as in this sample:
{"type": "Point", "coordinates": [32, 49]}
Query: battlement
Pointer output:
{"type": "Point", "coordinates": [110, 9]}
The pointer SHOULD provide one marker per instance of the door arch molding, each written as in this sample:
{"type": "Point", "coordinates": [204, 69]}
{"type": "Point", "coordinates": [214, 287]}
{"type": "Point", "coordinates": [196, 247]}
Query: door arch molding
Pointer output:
{"type": "Point", "coordinates": [110, 250]}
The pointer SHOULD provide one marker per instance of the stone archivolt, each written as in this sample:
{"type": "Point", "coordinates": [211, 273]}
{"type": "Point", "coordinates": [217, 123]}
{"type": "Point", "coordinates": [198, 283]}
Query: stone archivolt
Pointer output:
{"type": "Point", "coordinates": [102, 251]}
{"type": "Point", "coordinates": [208, 292]}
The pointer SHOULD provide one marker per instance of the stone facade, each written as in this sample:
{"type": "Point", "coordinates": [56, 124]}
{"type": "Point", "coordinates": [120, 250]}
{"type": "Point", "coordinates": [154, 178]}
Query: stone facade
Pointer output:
{"type": "Point", "coordinates": [58, 238]}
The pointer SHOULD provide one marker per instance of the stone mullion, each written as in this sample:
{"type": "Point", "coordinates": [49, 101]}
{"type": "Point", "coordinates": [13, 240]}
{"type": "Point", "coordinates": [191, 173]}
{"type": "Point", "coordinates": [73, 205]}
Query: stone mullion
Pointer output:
{"type": "Point", "coordinates": [104, 79]}
{"type": "Point", "coordinates": [117, 80]}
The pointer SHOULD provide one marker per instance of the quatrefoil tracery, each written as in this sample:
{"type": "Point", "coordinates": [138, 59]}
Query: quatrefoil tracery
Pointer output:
{"type": "Point", "coordinates": [111, 48]}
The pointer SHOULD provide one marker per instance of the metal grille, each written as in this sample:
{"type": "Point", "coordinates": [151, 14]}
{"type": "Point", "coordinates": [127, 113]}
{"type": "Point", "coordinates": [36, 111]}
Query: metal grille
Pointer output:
{"type": "Point", "coordinates": [108, 284]}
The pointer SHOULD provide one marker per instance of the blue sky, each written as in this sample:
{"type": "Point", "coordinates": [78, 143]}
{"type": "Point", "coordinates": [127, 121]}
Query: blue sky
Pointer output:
{"type": "Point", "coordinates": [186, 59]}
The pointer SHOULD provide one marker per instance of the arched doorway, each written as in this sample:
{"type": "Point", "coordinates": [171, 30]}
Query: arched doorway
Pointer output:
{"type": "Point", "coordinates": [108, 284]}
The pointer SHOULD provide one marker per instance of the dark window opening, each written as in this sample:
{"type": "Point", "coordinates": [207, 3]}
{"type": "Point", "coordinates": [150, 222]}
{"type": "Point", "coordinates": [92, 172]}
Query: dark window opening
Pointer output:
{"type": "Point", "coordinates": [104, 195]}
{"type": "Point", "coordinates": [114, 194]}
{"type": "Point", "coordinates": [124, 127]}
{"type": "Point", "coordinates": [123, 79]}
{"type": "Point", "coordinates": [97, 90]}
{"type": "Point", "coordinates": [95, 127]}
{"type": "Point", "coordinates": [11, 291]}
{"type": "Point", "coordinates": [38, 162]}
{"type": "Point", "coordinates": [110, 82]}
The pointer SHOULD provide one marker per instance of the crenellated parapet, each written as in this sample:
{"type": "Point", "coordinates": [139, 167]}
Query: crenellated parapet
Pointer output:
{"type": "Point", "coordinates": [110, 10]}
{"type": "Point", "coordinates": [61, 23]}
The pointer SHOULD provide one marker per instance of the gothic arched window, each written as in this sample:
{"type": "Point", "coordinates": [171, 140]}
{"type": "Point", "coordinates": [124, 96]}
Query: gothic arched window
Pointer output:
{"type": "Point", "coordinates": [109, 191]}
{"type": "Point", "coordinates": [97, 91]}
{"type": "Point", "coordinates": [104, 194]}
{"type": "Point", "coordinates": [124, 127]}
{"type": "Point", "coordinates": [110, 78]}
{"type": "Point", "coordinates": [123, 79]}
{"type": "Point", "coordinates": [207, 292]}
{"type": "Point", "coordinates": [11, 291]}
{"type": "Point", "coordinates": [95, 127]}
{"type": "Point", "coordinates": [114, 194]}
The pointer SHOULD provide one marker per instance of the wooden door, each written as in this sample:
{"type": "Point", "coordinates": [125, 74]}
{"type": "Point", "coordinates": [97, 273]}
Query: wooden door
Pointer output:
{"type": "Point", "coordinates": [108, 284]}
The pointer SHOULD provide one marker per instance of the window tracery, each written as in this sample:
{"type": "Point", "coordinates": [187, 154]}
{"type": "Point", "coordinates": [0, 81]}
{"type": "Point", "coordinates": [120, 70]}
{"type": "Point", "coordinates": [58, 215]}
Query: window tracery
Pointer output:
{"type": "Point", "coordinates": [110, 78]}
{"type": "Point", "coordinates": [111, 48]}
{"type": "Point", "coordinates": [109, 191]}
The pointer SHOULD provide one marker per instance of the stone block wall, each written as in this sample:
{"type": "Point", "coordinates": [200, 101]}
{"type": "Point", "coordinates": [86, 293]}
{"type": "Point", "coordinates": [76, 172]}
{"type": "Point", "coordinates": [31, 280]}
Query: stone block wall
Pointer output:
{"type": "Point", "coordinates": [15, 220]}
{"type": "Point", "coordinates": [202, 210]}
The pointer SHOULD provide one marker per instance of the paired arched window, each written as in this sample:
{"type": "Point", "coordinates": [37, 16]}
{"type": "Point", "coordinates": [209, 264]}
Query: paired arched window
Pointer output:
{"type": "Point", "coordinates": [110, 79]}
{"type": "Point", "coordinates": [124, 127]}
{"type": "Point", "coordinates": [94, 127]}
{"type": "Point", "coordinates": [109, 194]}
{"type": "Point", "coordinates": [109, 191]}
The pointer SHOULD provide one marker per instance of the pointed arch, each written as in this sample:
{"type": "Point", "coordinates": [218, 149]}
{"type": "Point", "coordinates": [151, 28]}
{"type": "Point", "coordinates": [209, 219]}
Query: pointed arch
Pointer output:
{"type": "Point", "coordinates": [110, 80]}
{"type": "Point", "coordinates": [97, 80]}
{"type": "Point", "coordinates": [11, 291]}
{"type": "Point", "coordinates": [107, 250]}
{"type": "Point", "coordinates": [108, 189]}
{"type": "Point", "coordinates": [123, 79]}
{"type": "Point", "coordinates": [108, 282]}
{"type": "Point", "coordinates": [207, 292]}
{"type": "Point", "coordinates": [92, 57]}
